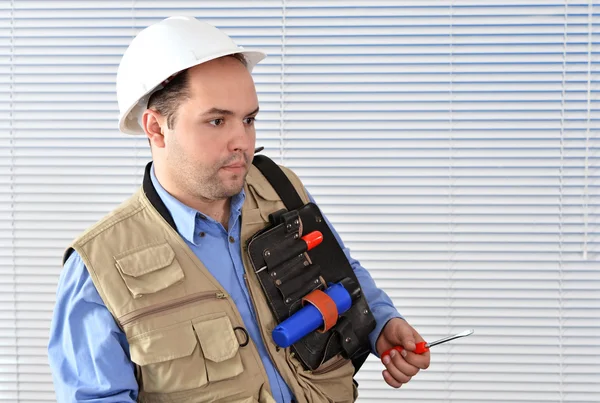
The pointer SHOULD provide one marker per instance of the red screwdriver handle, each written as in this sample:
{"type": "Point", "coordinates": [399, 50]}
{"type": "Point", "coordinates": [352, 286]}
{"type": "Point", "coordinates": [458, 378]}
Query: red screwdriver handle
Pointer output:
{"type": "Point", "coordinates": [420, 348]}
{"type": "Point", "coordinates": [312, 239]}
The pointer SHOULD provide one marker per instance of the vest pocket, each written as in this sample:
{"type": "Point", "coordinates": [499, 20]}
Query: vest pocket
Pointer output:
{"type": "Point", "coordinates": [244, 400]}
{"type": "Point", "coordinates": [253, 216]}
{"type": "Point", "coordinates": [263, 397]}
{"type": "Point", "coordinates": [220, 347]}
{"type": "Point", "coordinates": [267, 200]}
{"type": "Point", "coordinates": [150, 269]}
{"type": "Point", "coordinates": [170, 359]}
{"type": "Point", "coordinates": [333, 379]}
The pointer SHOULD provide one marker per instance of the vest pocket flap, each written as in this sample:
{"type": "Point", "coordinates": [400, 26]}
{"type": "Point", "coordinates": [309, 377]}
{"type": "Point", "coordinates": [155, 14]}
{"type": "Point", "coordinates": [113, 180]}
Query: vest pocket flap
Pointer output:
{"type": "Point", "coordinates": [265, 191]}
{"type": "Point", "coordinates": [150, 269]}
{"type": "Point", "coordinates": [217, 339]}
{"type": "Point", "coordinates": [163, 344]}
{"type": "Point", "coordinates": [267, 200]}
{"type": "Point", "coordinates": [146, 260]}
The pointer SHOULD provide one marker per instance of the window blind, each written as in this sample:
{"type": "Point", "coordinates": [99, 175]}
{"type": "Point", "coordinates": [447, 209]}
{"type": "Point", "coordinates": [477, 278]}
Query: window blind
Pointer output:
{"type": "Point", "coordinates": [453, 144]}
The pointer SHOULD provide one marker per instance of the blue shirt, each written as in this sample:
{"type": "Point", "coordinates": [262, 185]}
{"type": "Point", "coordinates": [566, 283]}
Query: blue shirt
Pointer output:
{"type": "Point", "coordinates": [89, 354]}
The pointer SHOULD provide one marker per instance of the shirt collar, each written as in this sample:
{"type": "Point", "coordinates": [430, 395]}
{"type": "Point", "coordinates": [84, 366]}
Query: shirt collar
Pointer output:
{"type": "Point", "coordinates": [185, 217]}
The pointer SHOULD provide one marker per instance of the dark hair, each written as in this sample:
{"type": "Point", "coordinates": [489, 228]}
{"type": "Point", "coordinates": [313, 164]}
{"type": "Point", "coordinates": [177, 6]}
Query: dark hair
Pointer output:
{"type": "Point", "coordinates": [166, 100]}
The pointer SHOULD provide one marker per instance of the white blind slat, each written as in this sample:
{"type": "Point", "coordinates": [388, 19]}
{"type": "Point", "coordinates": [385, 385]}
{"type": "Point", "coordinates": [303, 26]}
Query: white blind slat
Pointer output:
{"type": "Point", "coordinates": [454, 146]}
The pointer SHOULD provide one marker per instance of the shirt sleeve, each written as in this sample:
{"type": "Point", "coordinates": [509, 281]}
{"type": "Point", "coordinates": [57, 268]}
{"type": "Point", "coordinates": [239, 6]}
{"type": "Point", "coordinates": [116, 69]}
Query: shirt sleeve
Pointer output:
{"type": "Point", "coordinates": [380, 303]}
{"type": "Point", "coordinates": [87, 351]}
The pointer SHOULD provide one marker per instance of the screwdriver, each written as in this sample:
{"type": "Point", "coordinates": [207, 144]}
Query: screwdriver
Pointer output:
{"type": "Point", "coordinates": [423, 347]}
{"type": "Point", "coordinates": [311, 240]}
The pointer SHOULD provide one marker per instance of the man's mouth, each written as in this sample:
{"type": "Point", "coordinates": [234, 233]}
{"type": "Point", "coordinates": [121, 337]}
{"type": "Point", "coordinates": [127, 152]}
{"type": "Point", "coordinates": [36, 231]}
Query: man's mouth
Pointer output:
{"type": "Point", "coordinates": [236, 167]}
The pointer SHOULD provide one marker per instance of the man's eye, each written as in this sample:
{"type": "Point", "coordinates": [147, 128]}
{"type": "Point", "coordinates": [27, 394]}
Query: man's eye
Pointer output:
{"type": "Point", "coordinates": [250, 121]}
{"type": "Point", "coordinates": [216, 122]}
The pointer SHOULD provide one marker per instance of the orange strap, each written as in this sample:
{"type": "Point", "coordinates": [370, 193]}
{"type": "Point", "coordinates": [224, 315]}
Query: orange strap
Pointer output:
{"type": "Point", "coordinates": [325, 305]}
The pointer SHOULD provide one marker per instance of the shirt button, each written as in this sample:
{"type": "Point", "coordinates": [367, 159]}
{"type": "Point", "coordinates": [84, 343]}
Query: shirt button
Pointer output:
{"type": "Point", "coordinates": [202, 234]}
{"type": "Point", "coordinates": [202, 216]}
{"type": "Point", "coordinates": [231, 239]}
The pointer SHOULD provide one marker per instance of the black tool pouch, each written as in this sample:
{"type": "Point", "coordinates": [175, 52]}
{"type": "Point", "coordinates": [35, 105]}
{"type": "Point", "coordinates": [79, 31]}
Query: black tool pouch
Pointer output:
{"type": "Point", "coordinates": [287, 274]}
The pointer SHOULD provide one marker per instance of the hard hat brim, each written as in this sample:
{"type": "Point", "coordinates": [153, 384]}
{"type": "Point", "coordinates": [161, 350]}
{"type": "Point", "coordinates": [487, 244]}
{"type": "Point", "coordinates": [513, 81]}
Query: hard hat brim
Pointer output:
{"type": "Point", "coordinates": [129, 122]}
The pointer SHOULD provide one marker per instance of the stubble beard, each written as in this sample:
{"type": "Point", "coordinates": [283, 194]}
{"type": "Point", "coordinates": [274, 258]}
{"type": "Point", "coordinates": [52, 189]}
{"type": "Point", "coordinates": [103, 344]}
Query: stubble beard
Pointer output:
{"type": "Point", "coordinates": [206, 182]}
{"type": "Point", "coordinates": [209, 183]}
{"type": "Point", "coordinates": [214, 188]}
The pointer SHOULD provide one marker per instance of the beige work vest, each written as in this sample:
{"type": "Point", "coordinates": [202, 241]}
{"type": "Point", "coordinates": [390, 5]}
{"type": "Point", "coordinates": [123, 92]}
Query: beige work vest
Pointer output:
{"type": "Point", "coordinates": [179, 321]}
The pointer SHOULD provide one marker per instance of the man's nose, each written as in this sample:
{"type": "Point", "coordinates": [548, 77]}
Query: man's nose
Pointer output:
{"type": "Point", "coordinates": [241, 138]}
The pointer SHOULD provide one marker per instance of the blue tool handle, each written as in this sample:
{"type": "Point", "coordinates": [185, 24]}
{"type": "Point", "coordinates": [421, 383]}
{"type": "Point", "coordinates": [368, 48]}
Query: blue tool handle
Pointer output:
{"type": "Point", "coordinates": [308, 319]}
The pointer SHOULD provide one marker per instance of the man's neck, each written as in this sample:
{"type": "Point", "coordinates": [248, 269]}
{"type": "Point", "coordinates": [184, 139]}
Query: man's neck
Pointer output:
{"type": "Point", "coordinates": [219, 213]}
{"type": "Point", "coordinates": [218, 210]}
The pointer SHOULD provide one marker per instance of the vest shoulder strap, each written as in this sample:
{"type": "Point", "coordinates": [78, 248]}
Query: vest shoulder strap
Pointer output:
{"type": "Point", "coordinates": [279, 181]}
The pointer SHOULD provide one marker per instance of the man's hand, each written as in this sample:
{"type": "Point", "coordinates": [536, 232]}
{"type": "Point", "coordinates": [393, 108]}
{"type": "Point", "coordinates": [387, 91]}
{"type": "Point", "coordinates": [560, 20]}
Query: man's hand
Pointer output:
{"type": "Point", "coordinates": [400, 367]}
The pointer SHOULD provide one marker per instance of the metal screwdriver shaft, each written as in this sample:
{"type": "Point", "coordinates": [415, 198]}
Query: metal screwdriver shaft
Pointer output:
{"type": "Point", "coordinates": [449, 338]}
{"type": "Point", "coordinates": [423, 347]}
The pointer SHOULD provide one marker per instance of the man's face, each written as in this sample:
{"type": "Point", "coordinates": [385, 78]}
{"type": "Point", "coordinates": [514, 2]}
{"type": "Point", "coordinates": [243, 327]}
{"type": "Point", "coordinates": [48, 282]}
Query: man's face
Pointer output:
{"type": "Point", "coordinates": [210, 148]}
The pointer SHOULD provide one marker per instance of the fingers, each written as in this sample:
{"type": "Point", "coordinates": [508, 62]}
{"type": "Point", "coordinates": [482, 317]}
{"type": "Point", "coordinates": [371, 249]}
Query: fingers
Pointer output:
{"type": "Point", "coordinates": [398, 370]}
{"type": "Point", "coordinates": [418, 360]}
{"type": "Point", "coordinates": [407, 337]}
{"type": "Point", "coordinates": [401, 367]}
{"type": "Point", "coordinates": [390, 381]}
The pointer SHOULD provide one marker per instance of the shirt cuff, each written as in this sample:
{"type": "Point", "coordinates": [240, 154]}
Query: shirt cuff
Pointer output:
{"type": "Point", "coordinates": [382, 314]}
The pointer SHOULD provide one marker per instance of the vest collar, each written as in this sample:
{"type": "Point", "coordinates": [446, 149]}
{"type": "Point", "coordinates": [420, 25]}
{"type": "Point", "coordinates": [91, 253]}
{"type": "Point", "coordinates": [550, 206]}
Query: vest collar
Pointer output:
{"type": "Point", "coordinates": [155, 199]}
{"type": "Point", "coordinates": [152, 194]}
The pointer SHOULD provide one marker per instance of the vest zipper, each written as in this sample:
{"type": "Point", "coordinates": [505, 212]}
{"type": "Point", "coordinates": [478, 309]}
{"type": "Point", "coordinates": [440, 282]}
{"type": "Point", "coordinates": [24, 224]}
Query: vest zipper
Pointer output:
{"type": "Point", "coordinates": [190, 299]}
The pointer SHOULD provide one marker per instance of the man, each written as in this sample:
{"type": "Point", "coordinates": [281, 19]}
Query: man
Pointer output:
{"type": "Point", "coordinates": [155, 300]}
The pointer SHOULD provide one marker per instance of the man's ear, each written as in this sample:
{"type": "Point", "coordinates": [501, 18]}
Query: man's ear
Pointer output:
{"type": "Point", "coordinates": [152, 123]}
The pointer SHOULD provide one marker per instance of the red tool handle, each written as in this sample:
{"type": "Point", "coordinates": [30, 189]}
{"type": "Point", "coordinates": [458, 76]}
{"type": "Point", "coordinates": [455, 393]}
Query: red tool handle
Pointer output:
{"type": "Point", "coordinates": [312, 239]}
{"type": "Point", "coordinates": [420, 348]}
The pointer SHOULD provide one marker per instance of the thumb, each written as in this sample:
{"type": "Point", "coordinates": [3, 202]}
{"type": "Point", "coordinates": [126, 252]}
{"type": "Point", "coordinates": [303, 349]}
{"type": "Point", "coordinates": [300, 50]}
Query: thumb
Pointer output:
{"type": "Point", "coordinates": [407, 337]}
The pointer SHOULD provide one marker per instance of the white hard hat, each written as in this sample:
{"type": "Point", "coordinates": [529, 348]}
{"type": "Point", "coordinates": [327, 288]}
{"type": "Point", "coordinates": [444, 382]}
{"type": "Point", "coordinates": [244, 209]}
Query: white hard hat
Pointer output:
{"type": "Point", "coordinates": [162, 50]}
